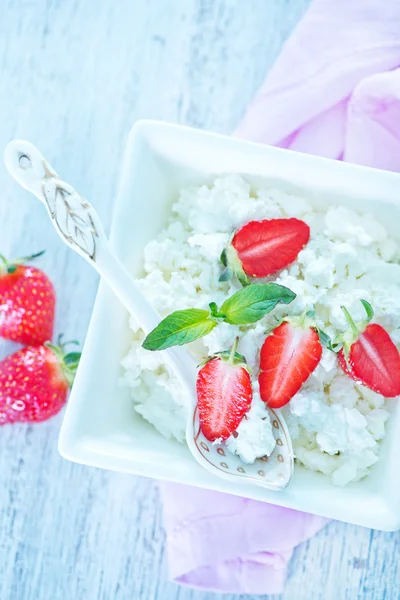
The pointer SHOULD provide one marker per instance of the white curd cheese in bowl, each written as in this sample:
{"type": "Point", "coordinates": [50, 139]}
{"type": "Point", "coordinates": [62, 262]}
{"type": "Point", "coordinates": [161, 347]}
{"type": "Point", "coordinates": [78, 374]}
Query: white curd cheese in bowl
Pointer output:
{"type": "Point", "coordinates": [336, 424]}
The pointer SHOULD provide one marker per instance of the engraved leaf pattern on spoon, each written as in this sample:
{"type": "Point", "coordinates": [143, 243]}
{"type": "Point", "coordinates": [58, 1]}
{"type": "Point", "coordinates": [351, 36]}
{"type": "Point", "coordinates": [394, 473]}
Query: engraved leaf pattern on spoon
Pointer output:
{"type": "Point", "coordinates": [70, 211]}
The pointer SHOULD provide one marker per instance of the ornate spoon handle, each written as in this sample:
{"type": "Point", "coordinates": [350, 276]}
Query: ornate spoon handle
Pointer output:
{"type": "Point", "coordinates": [73, 217]}
{"type": "Point", "coordinates": [79, 225]}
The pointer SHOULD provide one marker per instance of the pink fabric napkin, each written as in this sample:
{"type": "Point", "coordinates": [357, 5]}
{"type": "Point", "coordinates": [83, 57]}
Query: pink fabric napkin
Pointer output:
{"type": "Point", "coordinates": [334, 91]}
{"type": "Point", "coordinates": [229, 544]}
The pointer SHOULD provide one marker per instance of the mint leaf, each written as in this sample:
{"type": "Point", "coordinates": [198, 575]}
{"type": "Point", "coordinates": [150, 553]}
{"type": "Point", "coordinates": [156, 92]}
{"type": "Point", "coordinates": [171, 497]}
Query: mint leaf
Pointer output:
{"type": "Point", "coordinates": [178, 328]}
{"type": "Point", "coordinates": [254, 301]}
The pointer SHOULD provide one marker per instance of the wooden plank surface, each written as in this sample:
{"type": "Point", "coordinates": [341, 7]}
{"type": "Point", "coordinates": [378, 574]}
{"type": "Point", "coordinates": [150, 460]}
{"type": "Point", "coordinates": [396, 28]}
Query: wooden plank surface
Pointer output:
{"type": "Point", "coordinates": [74, 76]}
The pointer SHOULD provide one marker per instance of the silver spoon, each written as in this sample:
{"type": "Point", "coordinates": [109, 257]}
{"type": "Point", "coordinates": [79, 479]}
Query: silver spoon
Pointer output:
{"type": "Point", "coordinates": [79, 226]}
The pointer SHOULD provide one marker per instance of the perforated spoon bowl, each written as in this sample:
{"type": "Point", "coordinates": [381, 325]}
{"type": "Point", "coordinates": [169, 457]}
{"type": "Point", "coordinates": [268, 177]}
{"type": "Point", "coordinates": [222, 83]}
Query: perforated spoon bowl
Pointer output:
{"type": "Point", "coordinates": [79, 226]}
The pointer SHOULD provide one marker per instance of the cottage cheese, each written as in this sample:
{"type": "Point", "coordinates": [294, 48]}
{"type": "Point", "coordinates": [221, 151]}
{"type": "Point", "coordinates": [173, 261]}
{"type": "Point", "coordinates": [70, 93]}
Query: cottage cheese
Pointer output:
{"type": "Point", "coordinates": [336, 424]}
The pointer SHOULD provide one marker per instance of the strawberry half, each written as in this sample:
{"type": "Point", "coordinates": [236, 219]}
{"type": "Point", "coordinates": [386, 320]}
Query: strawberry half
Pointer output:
{"type": "Point", "coordinates": [262, 248]}
{"type": "Point", "coordinates": [224, 394]}
{"type": "Point", "coordinates": [369, 356]}
{"type": "Point", "coordinates": [27, 303]}
{"type": "Point", "coordinates": [34, 383]}
{"type": "Point", "coordinates": [288, 357]}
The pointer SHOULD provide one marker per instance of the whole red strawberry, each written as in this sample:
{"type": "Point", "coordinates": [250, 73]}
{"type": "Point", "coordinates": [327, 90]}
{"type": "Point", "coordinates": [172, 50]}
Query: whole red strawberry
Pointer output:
{"type": "Point", "coordinates": [369, 356]}
{"type": "Point", "coordinates": [261, 248]}
{"type": "Point", "coordinates": [288, 357]}
{"type": "Point", "coordinates": [34, 383]}
{"type": "Point", "coordinates": [224, 394]}
{"type": "Point", "coordinates": [27, 303]}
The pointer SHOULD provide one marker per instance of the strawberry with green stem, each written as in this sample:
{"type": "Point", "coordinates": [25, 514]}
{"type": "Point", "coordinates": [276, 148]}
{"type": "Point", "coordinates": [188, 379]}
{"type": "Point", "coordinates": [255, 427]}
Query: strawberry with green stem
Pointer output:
{"type": "Point", "coordinates": [368, 354]}
{"type": "Point", "coordinates": [261, 248]}
{"type": "Point", "coordinates": [27, 302]}
{"type": "Point", "coordinates": [290, 353]}
{"type": "Point", "coordinates": [224, 394]}
{"type": "Point", "coordinates": [34, 382]}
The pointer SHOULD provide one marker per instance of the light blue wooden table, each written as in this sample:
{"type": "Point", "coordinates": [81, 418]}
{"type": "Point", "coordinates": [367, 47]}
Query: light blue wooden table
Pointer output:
{"type": "Point", "coordinates": [74, 76]}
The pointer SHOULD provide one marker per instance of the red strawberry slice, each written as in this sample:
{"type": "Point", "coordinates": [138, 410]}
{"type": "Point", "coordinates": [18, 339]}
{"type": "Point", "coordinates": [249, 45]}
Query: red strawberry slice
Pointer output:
{"type": "Point", "coordinates": [224, 394]}
{"type": "Point", "coordinates": [374, 361]}
{"type": "Point", "coordinates": [27, 304]}
{"type": "Point", "coordinates": [34, 383]}
{"type": "Point", "coordinates": [262, 248]}
{"type": "Point", "coordinates": [288, 357]}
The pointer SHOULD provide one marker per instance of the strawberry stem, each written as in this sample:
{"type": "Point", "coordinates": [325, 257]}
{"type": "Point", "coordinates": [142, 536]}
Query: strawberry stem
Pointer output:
{"type": "Point", "coordinates": [233, 351]}
{"type": "Point", "coordinates": [302, 319]}
{"type": "Point", "coordinates": [11, 266]}
{"type": "Point", "coordinates": [350, 321]}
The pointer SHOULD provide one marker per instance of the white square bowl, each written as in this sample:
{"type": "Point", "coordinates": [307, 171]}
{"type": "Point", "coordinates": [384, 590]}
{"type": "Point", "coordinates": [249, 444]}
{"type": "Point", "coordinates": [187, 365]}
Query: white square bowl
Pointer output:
{"type": "Point", "coordinates": [101, 428]}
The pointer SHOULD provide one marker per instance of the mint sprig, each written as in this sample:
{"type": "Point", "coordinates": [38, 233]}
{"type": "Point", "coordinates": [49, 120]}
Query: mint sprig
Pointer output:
{"type": "Point", "coordinates": [246, 306]}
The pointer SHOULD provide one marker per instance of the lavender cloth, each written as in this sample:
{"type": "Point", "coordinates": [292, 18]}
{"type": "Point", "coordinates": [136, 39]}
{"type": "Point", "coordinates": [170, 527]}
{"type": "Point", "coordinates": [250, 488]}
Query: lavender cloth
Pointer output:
{"type": "Point", "coordinates": [334, 91]}
{"type": "Point", "coordinates": [229, 544]}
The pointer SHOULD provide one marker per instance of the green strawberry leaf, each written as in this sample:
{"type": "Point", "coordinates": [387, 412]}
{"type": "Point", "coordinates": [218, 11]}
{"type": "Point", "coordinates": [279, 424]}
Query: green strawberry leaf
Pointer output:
{"type": "Point", "coordinates": [230, 259]}
{"type": "Point", "coordinates": [368, 309]}
{"type": "Point", "coordinates": [226, 274]}
{"type": "Point", "coordinates": [237, 359]}
{"type": "Point", "coordinates": [337, 342]}
{"type": "Point", "coordinates": [253, 302]}
{"type": "Point", "coordinates": [325, 340]}
{"type": "Point", "coordinates": [271, 326]}
{"type": "Point", "coordinates": [349, 336]}
{"type": "Point", "coordinates": [72, 358]}
{"type": "Point", "coordinates": [223, 258]}
{"type": "Point", "coordinates": [178, 328]}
